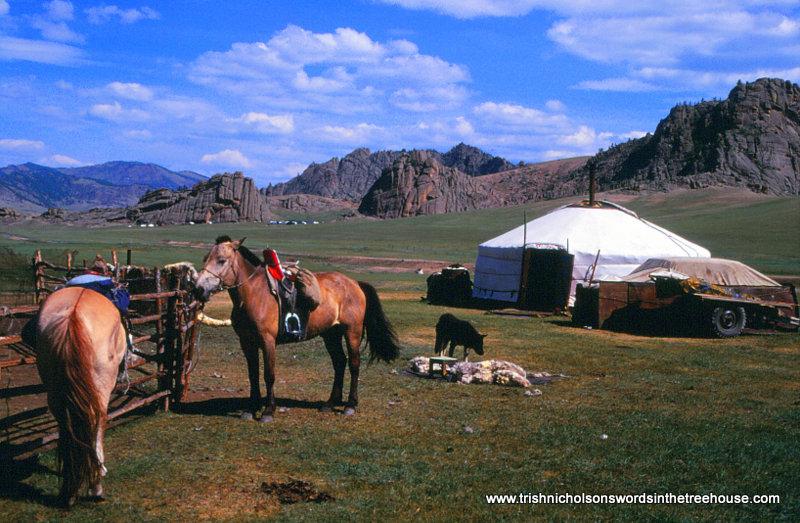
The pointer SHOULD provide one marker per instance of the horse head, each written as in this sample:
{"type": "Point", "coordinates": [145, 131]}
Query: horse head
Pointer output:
{"type": "Point", "coordinates": [219, 268]}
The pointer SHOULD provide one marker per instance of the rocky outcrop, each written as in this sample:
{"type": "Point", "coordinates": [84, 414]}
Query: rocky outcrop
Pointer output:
{"type": "Point", "coordinates": [417, 183]}
{"type": "Point", "coordinates": [473, 161]}
{"type": "Point", "coordinates": [222, 198]}
{"type": "Point", "coordinates": [351, 177]}
{"type": "Point", "coordinates": [8, 214]}
{"type": "Point", "coordinates": [348, 178]}
{"type": "Point", "coordinates": [308, 203]}
{"type": "Point", "coordinates": [750, 140]}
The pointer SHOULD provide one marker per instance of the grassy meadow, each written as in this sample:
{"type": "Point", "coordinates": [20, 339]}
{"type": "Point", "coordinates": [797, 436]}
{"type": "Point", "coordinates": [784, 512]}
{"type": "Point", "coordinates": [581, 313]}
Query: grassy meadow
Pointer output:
{"type": "Point", "coordinates": [681, 415]}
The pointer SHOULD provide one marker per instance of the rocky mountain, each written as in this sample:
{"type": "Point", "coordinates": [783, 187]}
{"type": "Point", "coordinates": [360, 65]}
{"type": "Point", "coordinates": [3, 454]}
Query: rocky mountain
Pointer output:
{"type": "Point", "coordinates": [348, 178]}
{"type": "Point", "coordinates": [136, 173]}
{"type": "Point", "coordinates": [473, 161]}
{"type": "Point", "coordinates": [351, 177]}
{"type": "Point", "coordinates": [418, 183]}
{"type": "Point", "coordinates": [222, 198]}
{"type": "Point", "coordinates": [34, 188]}
{"type": "Point", "coordinates": [749, 140]}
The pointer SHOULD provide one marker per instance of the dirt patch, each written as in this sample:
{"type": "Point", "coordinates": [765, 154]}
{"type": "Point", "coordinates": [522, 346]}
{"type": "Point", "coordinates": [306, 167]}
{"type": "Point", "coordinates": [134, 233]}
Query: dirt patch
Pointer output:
{"type": "Point", "coordinates": [295, 491]}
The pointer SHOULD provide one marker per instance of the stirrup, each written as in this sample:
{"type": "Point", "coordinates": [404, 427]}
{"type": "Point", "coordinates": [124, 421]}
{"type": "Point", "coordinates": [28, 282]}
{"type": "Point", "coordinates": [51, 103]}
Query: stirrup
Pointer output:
{"type": "Point", "coordinates": [291, 324]}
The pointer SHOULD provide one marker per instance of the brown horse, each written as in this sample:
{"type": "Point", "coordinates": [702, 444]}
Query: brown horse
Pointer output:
{"type": "Point", "coordinates": [80, 342]}
{"type": "Point", "coordinates": [347, 309]}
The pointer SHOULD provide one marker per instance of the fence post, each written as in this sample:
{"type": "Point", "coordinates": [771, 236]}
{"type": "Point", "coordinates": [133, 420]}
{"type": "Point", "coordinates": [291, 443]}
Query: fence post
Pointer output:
{"type": "Point", "coordinates": [38, 276]}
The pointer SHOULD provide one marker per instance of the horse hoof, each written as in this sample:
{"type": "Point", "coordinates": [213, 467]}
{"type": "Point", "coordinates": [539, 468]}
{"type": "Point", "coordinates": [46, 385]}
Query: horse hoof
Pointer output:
{"type": "Point", "coordinates": [265, 419]}
{"type": "Point", "coordinates": [97, 498]}
{"type": "Point", "coordinates": [247, 416]}
{"type": "Point", "coordinates": [349, 411]}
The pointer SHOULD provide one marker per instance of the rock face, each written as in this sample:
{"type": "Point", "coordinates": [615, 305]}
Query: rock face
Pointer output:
{"type": "Point", "coordinates": [345, 179]}
{"type": "Point", "coordinates": [750, 140]}
{"type": "Point", "coordinates": [473, 161]}
{"type": "Point", "coordinates": [351, 177]}
{"type": "Point", "coordinates": [222, 198]}
{"type": "Point", "coordinates": [308, 203]}
{"type": "Point", "coordinates": [417, 183]}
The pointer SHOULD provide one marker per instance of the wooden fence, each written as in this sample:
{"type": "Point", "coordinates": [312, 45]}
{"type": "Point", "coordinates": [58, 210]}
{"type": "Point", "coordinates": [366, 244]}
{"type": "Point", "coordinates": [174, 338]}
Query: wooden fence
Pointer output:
{"type": "Point", "coordinates": [165, 335]}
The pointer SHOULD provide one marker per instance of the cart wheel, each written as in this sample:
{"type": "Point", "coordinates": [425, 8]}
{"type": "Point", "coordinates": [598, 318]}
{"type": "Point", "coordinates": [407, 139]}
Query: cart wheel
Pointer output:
{"type": "Point", "coordinates": [727, 321]}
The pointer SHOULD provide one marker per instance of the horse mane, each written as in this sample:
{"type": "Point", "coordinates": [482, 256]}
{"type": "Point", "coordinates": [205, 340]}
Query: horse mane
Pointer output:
{"type": "Point", "coordinates": [250, 256]}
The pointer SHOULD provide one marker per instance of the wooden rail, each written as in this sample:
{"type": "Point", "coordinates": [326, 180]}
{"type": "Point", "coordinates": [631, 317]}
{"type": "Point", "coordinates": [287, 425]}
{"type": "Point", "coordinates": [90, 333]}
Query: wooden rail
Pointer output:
{"type": "Point", "coordinates": [160, 301]}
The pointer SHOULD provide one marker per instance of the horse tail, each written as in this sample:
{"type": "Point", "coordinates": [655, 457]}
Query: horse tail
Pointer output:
{"type": "Point", "coordinates": [381, 337]}
{"type": "Point", "coordinates": [77, 407]}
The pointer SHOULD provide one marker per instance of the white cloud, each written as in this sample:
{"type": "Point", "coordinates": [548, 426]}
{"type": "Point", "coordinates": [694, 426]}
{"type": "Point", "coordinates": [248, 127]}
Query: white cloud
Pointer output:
{"type": "Point", "coordinates": [62, 160]}
{"type": "Point", "coordinates": [39, 51]}
{"type": "Point", "coordinates": [60, 10]}
{"type": "Point", "coordinates": [628, 85]}
{"type": "Point", "coordinates": [3, 7]}
{"type": "Point", "coordinates": [106, 13]}
{"type": "Point", "coordinates": [53, 22]}
{"type": "Point", "coordinates": [357, 134]}
{"type": "Point", "coordinates": [557, 106]}
{"type": "Point", "coordinates": [115, 112]}
{"type": "Point", "coordinates": [469, 8]}
{"type": "Point", "coordinates": [677, 79]}
{"type": "Point", "coordinates": [131, 91]}
{"type": "Point", "coordinates": [341, 72]}
{"type": "Point", "coordinates": [227, 158]}
{"type": "Point", "coordinates": [21, 145]}
{"type": "Point", "coordinates": [267, 124]}
{"type": "Point", "coordinates": [518, 115]}
{"type": "Point", "coordinates": [632, 135]}
{"type": "Point", "coordinates": [585, 137]}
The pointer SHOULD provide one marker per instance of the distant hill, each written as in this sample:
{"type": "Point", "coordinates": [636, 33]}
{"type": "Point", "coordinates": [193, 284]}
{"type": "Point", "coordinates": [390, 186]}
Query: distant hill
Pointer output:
{"type": "Point", "coordinates": [750, 140]}
{"type": "Point", "coordinates": [136, 173]}
{"type": "Point", "coordinates": [34, 188]}
{"type": "Point", "coordinates": [350, 178]}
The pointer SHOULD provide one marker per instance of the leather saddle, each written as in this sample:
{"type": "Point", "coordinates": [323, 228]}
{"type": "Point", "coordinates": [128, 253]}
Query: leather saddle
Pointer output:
{"type": "Point", "coordinates": [292, 315]}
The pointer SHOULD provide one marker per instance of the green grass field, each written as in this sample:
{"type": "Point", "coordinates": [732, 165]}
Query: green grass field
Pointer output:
{"type": "Point", "coordinates": [682, 415]}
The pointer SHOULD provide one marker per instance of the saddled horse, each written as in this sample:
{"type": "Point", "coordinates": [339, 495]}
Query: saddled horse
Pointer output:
{"type": "Point", "coordinates": [347, 309]}
{"type": "Point", "coordinates": [80, 342]}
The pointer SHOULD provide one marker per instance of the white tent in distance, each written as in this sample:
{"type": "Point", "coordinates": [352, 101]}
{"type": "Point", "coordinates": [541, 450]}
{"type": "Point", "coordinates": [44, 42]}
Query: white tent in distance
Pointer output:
{"type": "Point", "coordinates": [538, 265]}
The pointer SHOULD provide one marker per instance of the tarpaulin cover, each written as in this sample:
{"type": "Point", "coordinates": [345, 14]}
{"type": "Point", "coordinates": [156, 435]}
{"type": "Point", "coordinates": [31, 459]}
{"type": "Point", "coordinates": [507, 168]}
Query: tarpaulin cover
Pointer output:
{"type": "Point", "coordinates": [713, 270]}
{"type": "Point", "coordinates": [623, 239]}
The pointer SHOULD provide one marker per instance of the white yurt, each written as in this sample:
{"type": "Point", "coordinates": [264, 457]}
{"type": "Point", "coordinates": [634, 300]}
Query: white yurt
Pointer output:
{"type": "Point", "coordinates": [506, 269]}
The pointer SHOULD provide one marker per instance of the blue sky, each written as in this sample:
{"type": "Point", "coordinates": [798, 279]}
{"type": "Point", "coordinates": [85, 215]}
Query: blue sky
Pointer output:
{"type": "Point", "coordinates": [269, 86]}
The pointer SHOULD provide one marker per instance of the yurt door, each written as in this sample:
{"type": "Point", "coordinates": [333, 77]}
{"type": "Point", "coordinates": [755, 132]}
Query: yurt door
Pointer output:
{"type": "Point", "coordinates": [546, 279]}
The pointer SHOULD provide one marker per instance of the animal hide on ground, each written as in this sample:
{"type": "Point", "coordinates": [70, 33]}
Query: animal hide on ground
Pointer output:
{"type": "Point", "coordinates": [498, 372]}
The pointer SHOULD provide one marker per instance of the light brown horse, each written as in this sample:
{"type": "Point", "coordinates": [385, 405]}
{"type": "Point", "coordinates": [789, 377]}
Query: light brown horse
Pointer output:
{"type": "Point", "coordinates": [347, 309]}
{"type": "Point", "coordinates": [80, 342]}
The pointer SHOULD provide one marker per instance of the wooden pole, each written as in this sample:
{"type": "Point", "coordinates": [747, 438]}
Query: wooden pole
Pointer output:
{"type": "Point", "coordinates": [128, 257]}
{"type": "Point", "coordinates": [69, 261]}
{"type": "Point", "coordinates": [38, 276]}
{"type": "Point", "coordinates": [115, 262]}
{"type": "Point", "coordinates": [592, 173]}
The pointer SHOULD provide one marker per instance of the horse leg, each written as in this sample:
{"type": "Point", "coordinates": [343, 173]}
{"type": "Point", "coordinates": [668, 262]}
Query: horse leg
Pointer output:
{"type": "Point", "coordinates": [96, 490]}
{"type": "Point", "coordinates": [333, 344]}
{"type": "Point", "coordinates": [353, 339]}
{"type": "Point", "coordinates": [251, 355]}
{"type": "Point", "coordinates": [268, 346]}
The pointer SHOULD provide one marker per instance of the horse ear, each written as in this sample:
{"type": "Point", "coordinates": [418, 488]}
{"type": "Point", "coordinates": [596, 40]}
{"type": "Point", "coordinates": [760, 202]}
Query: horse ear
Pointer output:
{"type": "Point", "coordinates": [241, 242]}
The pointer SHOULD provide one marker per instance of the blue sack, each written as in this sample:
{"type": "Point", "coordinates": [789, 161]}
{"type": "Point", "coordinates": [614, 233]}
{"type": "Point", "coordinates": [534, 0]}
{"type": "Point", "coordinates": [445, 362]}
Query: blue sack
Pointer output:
{"type": "Point", "coordinates": [119, 296]}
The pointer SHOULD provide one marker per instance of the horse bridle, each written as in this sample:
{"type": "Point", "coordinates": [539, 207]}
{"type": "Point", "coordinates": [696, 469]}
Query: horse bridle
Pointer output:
{"type": "Point", "coordinates": [222, 287]}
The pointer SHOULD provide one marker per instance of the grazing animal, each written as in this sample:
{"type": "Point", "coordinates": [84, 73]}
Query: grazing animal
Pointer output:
{"type": "Point", "coordinates": [347, 309]}
{"type": "Point", "coordinates": [80, 342]}
{"type": "Point", "coordinates": [450, 329]}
